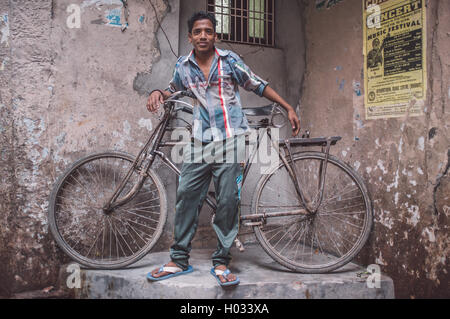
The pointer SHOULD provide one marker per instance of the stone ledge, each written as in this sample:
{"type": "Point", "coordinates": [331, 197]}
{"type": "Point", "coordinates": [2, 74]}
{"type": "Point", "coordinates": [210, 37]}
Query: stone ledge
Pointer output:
{"type": "Point", "coordinates": [261, 278]}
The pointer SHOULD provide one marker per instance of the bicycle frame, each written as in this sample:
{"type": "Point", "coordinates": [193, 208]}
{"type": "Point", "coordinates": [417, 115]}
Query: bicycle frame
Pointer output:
{"type": "Point", "coordinates": [147, 156]}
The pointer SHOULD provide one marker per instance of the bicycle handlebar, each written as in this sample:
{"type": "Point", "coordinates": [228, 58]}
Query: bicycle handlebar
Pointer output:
{"type": "Point", "coordinates": [274, 111]}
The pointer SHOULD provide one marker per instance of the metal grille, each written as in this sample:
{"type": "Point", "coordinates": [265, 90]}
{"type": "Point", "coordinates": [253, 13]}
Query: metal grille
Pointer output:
{"type": "Point", "coordinates": [244, 21]}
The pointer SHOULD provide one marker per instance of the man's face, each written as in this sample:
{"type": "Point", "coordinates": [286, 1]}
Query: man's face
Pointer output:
{"type": "Point", "coordinates": [203, 36]}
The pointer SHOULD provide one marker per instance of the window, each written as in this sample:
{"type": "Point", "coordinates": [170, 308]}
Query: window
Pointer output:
{"type": "Point", "coordinates": [244, 21]}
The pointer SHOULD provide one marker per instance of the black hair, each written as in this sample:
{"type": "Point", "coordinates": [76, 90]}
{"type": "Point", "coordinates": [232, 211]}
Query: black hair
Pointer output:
{"type": "Point", "coordinates": [201, 15]}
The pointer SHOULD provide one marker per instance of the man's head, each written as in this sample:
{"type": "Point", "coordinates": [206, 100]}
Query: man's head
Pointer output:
{"type": "Point", "coordinates": [202, 15]}
{"type": "Point", "coordinates": [202, 31]}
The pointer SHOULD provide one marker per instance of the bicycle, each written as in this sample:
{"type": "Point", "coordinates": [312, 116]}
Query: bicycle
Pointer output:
{"type": "Point", "coordinates": [311, 213]}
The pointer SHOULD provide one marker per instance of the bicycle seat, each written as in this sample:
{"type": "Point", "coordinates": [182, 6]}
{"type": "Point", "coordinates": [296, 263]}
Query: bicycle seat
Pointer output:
{"type": "Point", "coordinates": [258, 110]}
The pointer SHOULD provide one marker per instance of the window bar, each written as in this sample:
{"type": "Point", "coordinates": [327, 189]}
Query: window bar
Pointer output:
{"type": "Point", "coordinates": [266, 24]}
{"type": "Point", "coordinates": [245, 21]}
{"type": "Point", "coordinates": [272, 38]}
{"type": "Point", "coordinates": [222, 22]}
{"type": "Point", "coordinates": [252, 15]}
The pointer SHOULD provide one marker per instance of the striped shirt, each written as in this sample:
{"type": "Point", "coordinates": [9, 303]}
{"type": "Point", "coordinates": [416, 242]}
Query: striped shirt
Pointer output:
{"type": "Point", "coordinates": [218, 110]}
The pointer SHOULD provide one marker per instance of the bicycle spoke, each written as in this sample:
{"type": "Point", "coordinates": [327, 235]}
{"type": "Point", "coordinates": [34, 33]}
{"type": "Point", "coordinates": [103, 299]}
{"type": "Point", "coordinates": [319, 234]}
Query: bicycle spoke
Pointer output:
{"type": "Point", "coordinates": [334, 243]}
{"type": "Point", "coordinates": [298, 231]}
{"type": "Point", "coordinates": [350, 214]}
{"type": "Point", "coordinates": [115, 236]}
{"type": "Point", "coordinates": [287, 231]}
{"type": "Point", "coordinates": [275, 191]}
{"type": "Point", "coordinates": [117, 239]}
{"type": "Point", "coordinates": [144, 211]}
{"type": "Point", "coordinates": [337, 196]}
{"type": "Point", "coordinates": [98, 235]}
{"type": "Point", "coordinates": [126, 242]}
{"type": "Point", "coordinates": [343, 208]}
{"type": "Point", "coordinates": [332, 216]}
{"type": "Point", "coordinates": [138, 223]}
{"type": "Point", "coordinates": [141, 216]}
{"type": "Point", "coordinates": [299, 241]}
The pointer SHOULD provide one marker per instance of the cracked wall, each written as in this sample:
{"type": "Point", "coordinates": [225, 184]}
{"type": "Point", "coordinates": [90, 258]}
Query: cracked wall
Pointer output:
{"type": "Point", "coordinates": [76, 84]}
{"type": "Point", "coordinates": [65, 92]}
{"type": "Point", "coordinates": [403, 161]}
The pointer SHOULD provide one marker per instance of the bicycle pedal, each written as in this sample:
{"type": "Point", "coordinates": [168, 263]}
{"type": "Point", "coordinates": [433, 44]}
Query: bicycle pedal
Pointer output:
{"type": "Point", "coordinates": [239, 245]}
{"type": "Point", "coordinates": [253, 224]}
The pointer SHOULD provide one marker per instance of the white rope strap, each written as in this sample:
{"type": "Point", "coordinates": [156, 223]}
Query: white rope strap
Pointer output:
{"type": "Point", "coordinates": [223, 273]}
{"type": "Point", "coordinates": [172, 270]}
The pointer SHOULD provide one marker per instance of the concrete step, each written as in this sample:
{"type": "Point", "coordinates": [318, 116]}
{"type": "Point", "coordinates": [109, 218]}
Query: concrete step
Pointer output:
{"type": "Point", "coordinates": [261, 278]}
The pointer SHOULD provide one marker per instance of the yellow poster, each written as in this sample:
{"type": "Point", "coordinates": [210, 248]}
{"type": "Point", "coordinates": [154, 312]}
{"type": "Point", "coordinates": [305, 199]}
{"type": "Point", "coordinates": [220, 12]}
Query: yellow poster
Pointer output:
{"type": "Point", "coordinates": [394, 57]}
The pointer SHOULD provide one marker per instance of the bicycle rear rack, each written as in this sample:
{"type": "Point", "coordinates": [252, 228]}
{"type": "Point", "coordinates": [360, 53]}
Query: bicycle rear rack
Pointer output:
{"type": "Point", "coordinates": [325, 143]}
{"type": "Point", "coordinates": [317, 141]}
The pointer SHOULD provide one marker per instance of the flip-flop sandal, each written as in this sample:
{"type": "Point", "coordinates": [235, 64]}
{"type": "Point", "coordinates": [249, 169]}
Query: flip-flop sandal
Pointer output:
{"type": "Point", "coordinates": [224, 273]}
{"type": "Point", "coordinates": [174, 272]}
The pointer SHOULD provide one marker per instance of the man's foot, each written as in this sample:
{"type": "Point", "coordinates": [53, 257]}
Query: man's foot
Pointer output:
{"type": "Point", "coordinates": [224, 276]}
{"type": "Point", "coordinates": [168, 271]}
{"type": "Point", "coordinates": [157, 274]}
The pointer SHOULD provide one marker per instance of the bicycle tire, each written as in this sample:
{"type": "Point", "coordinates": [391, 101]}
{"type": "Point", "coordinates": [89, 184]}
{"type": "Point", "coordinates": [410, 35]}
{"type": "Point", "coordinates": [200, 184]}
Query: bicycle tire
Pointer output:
{"type": "Point", "coordinates": [72, 221]}
{"type": "Point", "coordinates": [326, 256]}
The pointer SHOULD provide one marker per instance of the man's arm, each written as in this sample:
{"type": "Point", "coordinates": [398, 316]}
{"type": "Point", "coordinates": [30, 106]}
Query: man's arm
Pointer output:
{"type": "Point", "coordinates": [273, 96]}
{"type": "Point", "coordinates": [251, 82]}
{"type": "Point", "coordinates": [158, 97]}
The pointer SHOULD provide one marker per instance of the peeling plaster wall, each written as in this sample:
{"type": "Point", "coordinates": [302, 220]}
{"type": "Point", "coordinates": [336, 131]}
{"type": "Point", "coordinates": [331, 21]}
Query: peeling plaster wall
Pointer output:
{"type": "Point", "coordinates": [70, 87]}
{"type": "Point", "coordinates": [65, 92]}
{"type": "Point", "coordinates": [404, 161]}
{"type": "Point", "coordinates": [7, 183]}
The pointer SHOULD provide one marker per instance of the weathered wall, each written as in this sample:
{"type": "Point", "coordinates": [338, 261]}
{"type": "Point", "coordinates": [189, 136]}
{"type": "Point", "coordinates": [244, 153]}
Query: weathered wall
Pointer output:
{"type": "Point", "coordinates": [65, 92]}
{"type": "Point", "coordinates": [68, 90]}
{"type": "Point", "coordinates": [404, 161]}
{"type": "Point", "coordinates": [7, 183]}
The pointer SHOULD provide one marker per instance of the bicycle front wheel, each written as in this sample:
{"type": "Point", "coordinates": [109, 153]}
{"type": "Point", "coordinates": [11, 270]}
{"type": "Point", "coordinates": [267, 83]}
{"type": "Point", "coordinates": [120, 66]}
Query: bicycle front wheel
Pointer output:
{"type": "Point", "coordinates": [320, 242]}
{"type": "Point", "coordinates": [102, 240]}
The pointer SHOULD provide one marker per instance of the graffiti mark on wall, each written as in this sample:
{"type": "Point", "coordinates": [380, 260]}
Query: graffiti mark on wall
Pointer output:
{"type": "Point", "coordinates": [4, 23]}
{"type": "Point", "coordinates": [99, 3]}
{"type": "Point", "coordinates": [321, 4]}
{"type": "Point", "coordinates": [113, 17]}
{"type": "Point", "coordinates": [4, 62]}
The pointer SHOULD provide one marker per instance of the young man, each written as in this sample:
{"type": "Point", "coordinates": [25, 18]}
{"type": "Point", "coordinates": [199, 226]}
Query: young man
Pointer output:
{"type": "Point", "coordinates": [213, 75]}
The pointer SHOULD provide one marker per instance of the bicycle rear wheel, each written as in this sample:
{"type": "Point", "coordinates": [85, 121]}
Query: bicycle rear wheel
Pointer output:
{"type": "Point", "coordinates": [321, 242]}
{"type": "Point", "coordinates": [90, 236]}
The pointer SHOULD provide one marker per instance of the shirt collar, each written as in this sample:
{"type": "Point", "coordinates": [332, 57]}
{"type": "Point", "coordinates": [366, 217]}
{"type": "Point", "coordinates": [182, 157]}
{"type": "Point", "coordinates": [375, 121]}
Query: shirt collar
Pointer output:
{"type": "Point", "coordinates": [219, 52]}
{"type": "Point", "coordinates": [222, 52]}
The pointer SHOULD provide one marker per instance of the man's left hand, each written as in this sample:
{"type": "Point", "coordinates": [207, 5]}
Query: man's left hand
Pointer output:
{"type": "Point", "coordinates": [295, 122]}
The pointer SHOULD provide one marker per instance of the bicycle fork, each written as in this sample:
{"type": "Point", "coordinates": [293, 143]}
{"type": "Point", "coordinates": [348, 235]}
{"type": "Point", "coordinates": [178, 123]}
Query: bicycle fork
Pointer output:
{"type": "Point", "coordinates": [140, 167]}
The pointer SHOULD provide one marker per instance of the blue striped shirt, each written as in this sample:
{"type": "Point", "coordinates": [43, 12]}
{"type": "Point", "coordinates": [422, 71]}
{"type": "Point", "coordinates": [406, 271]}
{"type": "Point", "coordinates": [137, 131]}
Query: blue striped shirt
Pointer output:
{"type": "Point", "coordinates": [218, 110]}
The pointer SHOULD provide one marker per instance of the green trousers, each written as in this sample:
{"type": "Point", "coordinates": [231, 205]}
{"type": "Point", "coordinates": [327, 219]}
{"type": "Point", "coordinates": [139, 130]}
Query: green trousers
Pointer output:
{"type": "Point", "coordinates": [192, 190]}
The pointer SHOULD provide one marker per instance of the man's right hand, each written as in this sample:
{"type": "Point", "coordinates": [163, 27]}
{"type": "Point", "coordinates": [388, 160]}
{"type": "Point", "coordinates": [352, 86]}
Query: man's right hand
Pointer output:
{"type": "Point", "coordinates": [154, 101]}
